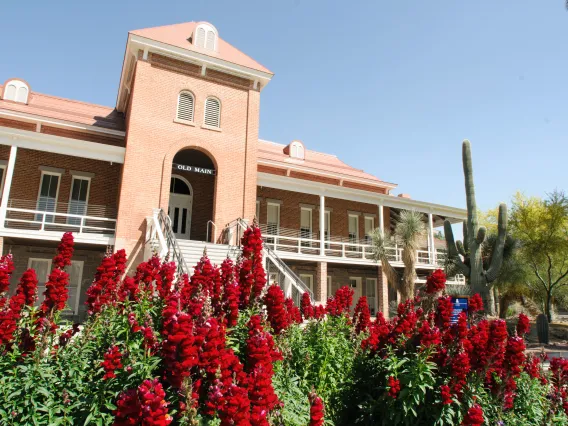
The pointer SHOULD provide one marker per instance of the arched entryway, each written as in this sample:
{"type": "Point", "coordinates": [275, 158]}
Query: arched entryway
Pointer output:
{"type": "Point", "coordinates": [192, 194]}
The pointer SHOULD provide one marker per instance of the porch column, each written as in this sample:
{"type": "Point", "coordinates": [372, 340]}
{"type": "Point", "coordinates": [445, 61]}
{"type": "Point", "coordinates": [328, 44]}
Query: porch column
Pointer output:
{"type": "Point", "coordinates": [322, 225]}
{"type": "Point", "coordinates": [381, 219]}
{"type": "Point", "coordinates": [7, 185]}
{"type": "Point", "coordinates": [431, 245]}
{"type": "Point", "coordinates": [320, 288]}
{"type": "Point", "coordinates": [383, 292]}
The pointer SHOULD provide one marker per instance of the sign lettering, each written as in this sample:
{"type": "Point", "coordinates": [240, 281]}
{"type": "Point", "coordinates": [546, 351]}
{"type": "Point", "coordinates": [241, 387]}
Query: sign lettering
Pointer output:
{"type": "Point", "coordinates": [193, 169]}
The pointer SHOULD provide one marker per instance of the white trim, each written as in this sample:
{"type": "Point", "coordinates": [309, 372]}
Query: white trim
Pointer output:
{"type": "Point", "coordinates": [208, 126]}
{"type": "Point", "coordinates": [4, 167]}
{"type": "Point", "coordinates": [333, 191]}
{"type": "Point", "coordinates": [356, 216]}
{"type": "Point", "coordinates": [190, 208]}
{"type": "Point", "coordinates": [7, 186]}
{"type": "Point", "coordinates": [317, 172]}
{"type": "Point", "coordinates": [63, 123]}
{"type": "Point", "coordinates": [49, 173]}
{"type": "Point", "coordinates": [18, 84]}
{"type": "Point", "coordinates": [61, 145]}
{"type": "Point", "coordinates": [29, 234]}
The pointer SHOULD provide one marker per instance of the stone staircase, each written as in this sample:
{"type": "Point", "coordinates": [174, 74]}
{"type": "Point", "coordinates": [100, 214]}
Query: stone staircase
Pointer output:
{"type": "Point", "coordinates": [192, 251]}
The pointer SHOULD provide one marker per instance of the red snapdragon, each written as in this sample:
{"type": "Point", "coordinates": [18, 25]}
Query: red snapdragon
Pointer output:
{"type": "Point", "coordinates": [6, 270]}
{"type": "Point", "coordinates": [394, 387]}
{"type": "Point", "coordinates": [112, 362]}
{"type": "Point", "coordinates": [436, 282]}
{"type": "Point", "coordinates": [446, 395]}
{"type": "Point", "coordinates": [362, 315]}
{"type": "Point", "coordinates": [475, 303]}
{"type": "Point", "coordinates": [316, 410]}
{"type": "Point", "coordinates": [523, 325]}
{"type": "Point", "coordinates": [306, 306]}
{"type": "Point", "coordinates": [474, 416]}
{"type": "Point", "coordinates": [275, 309]}
{"type": "Point", "coordinates": [27, 287]}
{"type": "Point", "coordinates": [144, 406]}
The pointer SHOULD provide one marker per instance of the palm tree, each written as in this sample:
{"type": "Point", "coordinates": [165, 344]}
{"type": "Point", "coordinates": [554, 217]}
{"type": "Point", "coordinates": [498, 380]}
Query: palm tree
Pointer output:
{"type": "Point", "coordinates": [409, 231]}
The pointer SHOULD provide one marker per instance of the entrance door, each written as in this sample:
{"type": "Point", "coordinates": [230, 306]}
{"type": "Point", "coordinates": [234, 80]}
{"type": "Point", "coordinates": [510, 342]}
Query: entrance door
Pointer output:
{"type": "Point", "coordinates": [179, 209]}
{"type": "Point", "coordinates": [355, 284]}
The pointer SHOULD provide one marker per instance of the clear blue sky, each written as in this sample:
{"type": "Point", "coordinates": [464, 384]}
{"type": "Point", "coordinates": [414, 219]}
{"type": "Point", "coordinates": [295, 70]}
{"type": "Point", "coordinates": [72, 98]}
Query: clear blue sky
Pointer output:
{"type": "Point", "coordinates": [391, 87]}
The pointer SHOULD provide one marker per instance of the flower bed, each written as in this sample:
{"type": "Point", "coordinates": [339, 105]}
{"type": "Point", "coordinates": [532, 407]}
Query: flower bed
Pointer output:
{"type": "Point", "coordinates": [223, 348]}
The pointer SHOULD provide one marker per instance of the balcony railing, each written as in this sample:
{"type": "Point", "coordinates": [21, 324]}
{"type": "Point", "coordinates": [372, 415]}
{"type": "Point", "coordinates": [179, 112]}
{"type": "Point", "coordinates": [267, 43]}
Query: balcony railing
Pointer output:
{"type": "Point", "coordinates": [96, 220]}
{"type": "Point", "coordinates": [302, 242]}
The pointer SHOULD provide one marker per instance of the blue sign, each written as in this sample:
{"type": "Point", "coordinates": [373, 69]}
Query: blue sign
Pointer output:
{"type": "Point", "coordinates": [460, 305]}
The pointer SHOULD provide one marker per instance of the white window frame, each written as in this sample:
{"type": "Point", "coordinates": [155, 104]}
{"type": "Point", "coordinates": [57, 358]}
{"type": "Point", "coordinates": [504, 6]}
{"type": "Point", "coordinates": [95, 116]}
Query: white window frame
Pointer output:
{"type": "Point", "coordinates": [329, 285]}
{"type": "Point", "coordinates": [208, 126]}
{"type": "Point", "coordinates": [356, 239]}
{"type": "Point", "coordinates": [80, 176]}
{"type": "Point", "coordinates": [3, 166]}
{"type": "Point", "coordinates": [277, 205]}
{"type": "Point", "coordinates": [181, 120]}
{"type": "Point", "coordinates": [310, 211]}
{"type": "Point", "coordinates": [207, 27]}
{"type": "Point", "coordinates": [375, 304]}
{"type": "Point", "coordinates": [51, 173]}
{"type": "Point", "coordinates": [310, 279]}
{"type": "Point", "coordinates": [369, 232]}
{"type": "Point", "coordinates": [297, 150]}
{"type": "Point", "coordinates": [18, 84]}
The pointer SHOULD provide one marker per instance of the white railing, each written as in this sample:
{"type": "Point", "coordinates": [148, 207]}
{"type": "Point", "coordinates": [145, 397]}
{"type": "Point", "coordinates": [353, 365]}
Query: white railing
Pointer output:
{"type": "Point", "coordinates": [295, 241]}
{"type": "Point", "coordinates": [160, 237]}
{"type": "Point", "coordinates": [23, 215]}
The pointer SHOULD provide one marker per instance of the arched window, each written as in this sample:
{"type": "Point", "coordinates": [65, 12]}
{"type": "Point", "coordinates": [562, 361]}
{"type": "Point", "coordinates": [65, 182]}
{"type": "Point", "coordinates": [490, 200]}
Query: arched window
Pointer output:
{"type": "Point", "coordinates": [185, 106]}
{"type": "Point", "coordinates": [297, 150]}
{"type": "Point", "coordinates": [17, 91]}
{"type": "Point", "coordinates": [206, 36]}
{"type": "Point", "coordinates": [212, 112]}
{"type": "Point", "coordinates": [179, 186]}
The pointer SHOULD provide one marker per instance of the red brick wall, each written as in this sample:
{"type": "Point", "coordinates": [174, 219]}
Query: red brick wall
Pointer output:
{"type": "Point", "coordinates": [86, 136]}
{"type": "Point", "coordinates": [291, 207]}
{"type": "Point", "coordinates": [153, 139]}
{"type": "Point", "coordinates": [27, 175]}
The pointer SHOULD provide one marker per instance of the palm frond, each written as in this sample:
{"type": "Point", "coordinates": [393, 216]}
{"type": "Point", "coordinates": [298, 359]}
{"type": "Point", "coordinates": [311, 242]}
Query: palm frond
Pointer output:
{"type": "Point", "coordinates": [410, 229]}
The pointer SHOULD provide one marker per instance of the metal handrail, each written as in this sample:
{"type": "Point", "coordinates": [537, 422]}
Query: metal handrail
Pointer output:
{"type": "Point", "coordinates": [172, 245]}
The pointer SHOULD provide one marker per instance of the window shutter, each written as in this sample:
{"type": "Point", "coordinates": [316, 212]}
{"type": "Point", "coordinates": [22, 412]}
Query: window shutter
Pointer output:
{"type": "Point", "coordinates": [10, 93]}
{"type": "Point", "coordinates": [210, 43]}
{"type": "Point", "coordinates": [212, 110]}
{"type": "Point", "coordinates": [200, 38]}
{"type": "Point", "coordinates": [22, 95]}
{"type": "Point", "coordinates": [185, 107]}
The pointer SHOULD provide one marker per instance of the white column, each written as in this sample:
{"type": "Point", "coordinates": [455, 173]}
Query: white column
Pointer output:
{"type": "Point", "coordinates": [381, 219]}
{"type": "Point", "coordinates": [322, 225]}
{"type": "Point", "coordinates": [431, 245]}
{"type": "Point", "coordinates": [7, 184]}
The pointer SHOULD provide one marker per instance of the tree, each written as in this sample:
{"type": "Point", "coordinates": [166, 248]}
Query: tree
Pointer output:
{"type": "Point", "coordinates": [409, 231]}
{"type": "Point", "coordinates": [542, 229]}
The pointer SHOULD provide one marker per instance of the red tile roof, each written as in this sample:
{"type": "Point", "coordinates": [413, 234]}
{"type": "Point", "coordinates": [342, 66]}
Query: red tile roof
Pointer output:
{"type": "Point", "coordinates": [67, 110]}
{"type": "Point", "coordinates": [316, 161]}
{"type": "Point", "coordinates": [178, 34]}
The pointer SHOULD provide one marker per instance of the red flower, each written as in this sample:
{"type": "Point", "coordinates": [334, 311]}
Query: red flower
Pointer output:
{"type": "Point", "coordinates": [64, 251]}
{"type": "Point", "coordinates": [515, 355]}
{"type": "Point", "coordinates": [148, 274]}
{"type": "Point", "coordinates": [429, 336]}
{"type": "Point", "coordinates": [436, 282]}
{"type": "Point", "coordinates": [475, 303]}
{"type": "Point", "coordinates": [103, 289]}
{"type": "Point", "coordinates": [316, 410]}
{"type": "Point", "coordinates": [9, 316]}
{"type": "Point", "coordinates": [523, 325]}
{"type": "Point", "coordinates": [112, 362]}
{"type": "Point", "coordinates": [129, 290]}
{"type": "Point", "coordinates": [275, 309]}
{"type": "Point", "coordinates": [460, 368]}
{"type": "Point", "coordinates": [446, 395]}
{"type": "Point", "coordinates": [362, 315]}
{"type": "Point", "coordinates": [6, 270]}
{"type": "Point", "coordinates": [306, 306]}
{"type": "Point", "coordinates": [294, 315]}
{"type": "Point", "coordinates": [144, 406]}
{"type": "Point", "coordinates": [252, 277]}
{"type": "Point", "coordinates": [260, 355]}
{"type": "Point", "coordinates": [344, 299]}
{"type": "Point", "coordinates": [474, 416]}
{"type": "Point", "coordinates": [445, 311]}
{"type": "Point", "coordinates": [394, 387]}
{"type": "Point", "coordinates": [235, 407]}
{"type": "Point", "coordinates": [28, 287]}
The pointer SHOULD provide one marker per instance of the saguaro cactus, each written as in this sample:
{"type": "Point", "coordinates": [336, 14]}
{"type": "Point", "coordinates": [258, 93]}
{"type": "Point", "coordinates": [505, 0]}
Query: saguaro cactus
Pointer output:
{"type": "Point", "coordinates": [471, 262]}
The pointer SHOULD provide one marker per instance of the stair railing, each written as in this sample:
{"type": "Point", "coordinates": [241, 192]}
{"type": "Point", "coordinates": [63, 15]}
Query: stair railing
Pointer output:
{"type": "Point", "coordinates": [167, 240]}
{"type": "Point", "coordinates": [293, 286]}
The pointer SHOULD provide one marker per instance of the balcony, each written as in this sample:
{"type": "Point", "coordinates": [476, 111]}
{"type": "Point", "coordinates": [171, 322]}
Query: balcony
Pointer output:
{"type": "Point", "coordinates": [305, 245]}
{"type": "Point", "coordinates": [90, 223]}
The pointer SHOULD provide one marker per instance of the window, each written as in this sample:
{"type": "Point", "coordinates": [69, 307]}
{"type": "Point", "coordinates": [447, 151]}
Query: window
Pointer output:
{"type": "Point", "coordinates": [272, 221]}
{"type": "Point", "coordinates": [185, 107]}
{"type": "Point", "coordinates": [369, 227]}
{"type": "Point", "coordinates": [308, 280]}
{"type": "Point", "coordinates": [47, 198]}
{"type": "Point", "coordinates": [206, 36]}
{"type": "Point", "coordinates": [42, 267]}
{"type": "Point", "coordinates": [353, 230]}
{"type": "Point", "coordinates": [212, 112]}
{"type": "Point", "coordinates": [2, 177]}
{"type": "Point", "coordinates": [258, 210]}
{"type": "Point", "coordinates": [355, 284]}
{"type": "Point", "coordinates": [371, 293]}
{"type": "Point", "coordinates": [296, 150]}
{"type": "Point", "coordinates": [329, 286]}
{"type": "Point", "coordinates": [326, 227]}
{"type": "Point", "coordinates": [78, 199]}
{"type": "Point", "coordinates": [305, 225]}
{"type": "Point", "coordinates": [17, 91]}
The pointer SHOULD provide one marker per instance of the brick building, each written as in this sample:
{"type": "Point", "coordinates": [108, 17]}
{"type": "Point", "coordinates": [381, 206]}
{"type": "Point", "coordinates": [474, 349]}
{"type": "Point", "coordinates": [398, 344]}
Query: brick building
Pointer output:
{"type": "Point", "coordinates": [177, 165]}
